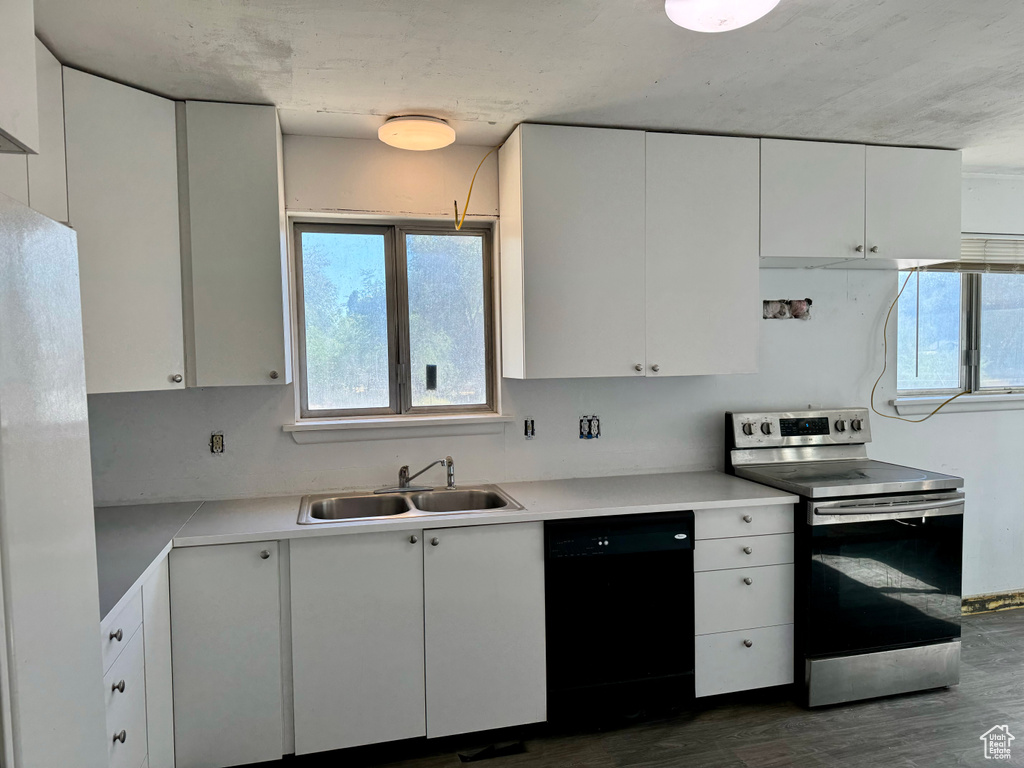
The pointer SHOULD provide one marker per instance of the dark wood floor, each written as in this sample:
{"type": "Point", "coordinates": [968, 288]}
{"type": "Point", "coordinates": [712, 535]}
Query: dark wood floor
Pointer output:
{"type": "Point", "coordinates": [767, 730]}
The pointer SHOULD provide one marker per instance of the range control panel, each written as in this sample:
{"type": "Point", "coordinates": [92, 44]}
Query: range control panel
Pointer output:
{"type": "Point", "coordinates": [840, 426]}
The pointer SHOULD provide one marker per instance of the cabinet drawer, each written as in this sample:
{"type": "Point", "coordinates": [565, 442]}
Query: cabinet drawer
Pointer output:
{"type": "Point", "coordinates": [724, 662]}
{"type": "Point", "coordinates": [126, 710]}
{"type": "Point", "coordinates": [122, 624]}
{"type": "Point", "coordinates": [724, 601]}
{"type": "Point", "coordinates": [743, 521]}
{"type": "Point", "coordinates": [743, 552]}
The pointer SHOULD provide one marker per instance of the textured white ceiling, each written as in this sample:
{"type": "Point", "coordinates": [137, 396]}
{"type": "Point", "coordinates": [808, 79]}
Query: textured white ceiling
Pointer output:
{"type": "Point", "coordinates": [946, 73]}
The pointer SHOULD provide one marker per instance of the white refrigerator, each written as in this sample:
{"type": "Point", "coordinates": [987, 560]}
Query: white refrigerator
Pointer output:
{"type": "Point", "coordinates": [51, 699]}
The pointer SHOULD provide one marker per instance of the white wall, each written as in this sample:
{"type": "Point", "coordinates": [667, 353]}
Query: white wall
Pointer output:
{"type": "Point", "coordinates": [153, 446]}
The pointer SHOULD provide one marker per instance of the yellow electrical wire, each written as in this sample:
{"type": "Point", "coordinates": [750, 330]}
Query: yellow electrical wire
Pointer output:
{"type": "Point", "coordinates": [458, 224]}
{"type": "Point", "coordinates": [885, 365]}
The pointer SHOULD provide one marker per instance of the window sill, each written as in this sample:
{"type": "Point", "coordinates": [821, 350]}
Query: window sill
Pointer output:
{"type": "Point", "coordinates": [389, 427]}
{"type": "Point", "coordinates": [922, 405]}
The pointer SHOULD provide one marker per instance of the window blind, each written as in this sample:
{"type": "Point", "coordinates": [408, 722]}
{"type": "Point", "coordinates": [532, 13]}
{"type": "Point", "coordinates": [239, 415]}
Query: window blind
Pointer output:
{"type": "Point", "coordinates": [986, 253]}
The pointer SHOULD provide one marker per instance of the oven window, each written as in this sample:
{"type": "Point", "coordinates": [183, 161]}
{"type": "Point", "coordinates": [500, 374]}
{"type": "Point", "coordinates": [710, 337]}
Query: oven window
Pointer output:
{"type": "Point", "coordinates": [884, 584]}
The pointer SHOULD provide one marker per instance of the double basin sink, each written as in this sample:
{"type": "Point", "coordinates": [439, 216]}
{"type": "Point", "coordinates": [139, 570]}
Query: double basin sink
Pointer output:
{"type": "Point", "coordinates": [332, 508]}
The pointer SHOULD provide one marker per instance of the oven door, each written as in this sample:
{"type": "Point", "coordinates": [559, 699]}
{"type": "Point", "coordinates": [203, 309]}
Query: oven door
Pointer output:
{"type": "Point", "coordinates": [885, 572]}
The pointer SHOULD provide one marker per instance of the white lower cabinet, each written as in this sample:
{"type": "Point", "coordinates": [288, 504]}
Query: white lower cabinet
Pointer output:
{"type": "Point", "coordinates": [125, 689]}
{"type": "Point", "coordinates": [484, 621]}
{"type": "Point", "coordinates": [156, 629]}
{"type": "Point", "coordinates": [744, 659]}
{"type": "Point", "coordinates": [357, 639]}
{"type": "Point", "coordinates": [743, 598]}
{"type": "Point", "coordinates": [226, 654]}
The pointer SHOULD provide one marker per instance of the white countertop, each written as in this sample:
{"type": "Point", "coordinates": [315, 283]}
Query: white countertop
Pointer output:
{"type": "Point", "coordinates": [264, 519]}
{"type": "Point", "coordinates": [129, 540]}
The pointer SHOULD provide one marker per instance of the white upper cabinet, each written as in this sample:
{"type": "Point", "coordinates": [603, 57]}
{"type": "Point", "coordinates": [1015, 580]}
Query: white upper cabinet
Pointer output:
{"type": "Point", "coordinates": [484, 623]}
{"type": "Point", "coordinates": [122, 173]}
{"type": "Point", "coordinates": [235, 246]}
{"type": "Point", "coordinates": [858, 207]}
{"type": "Point", "coordinates": [812, 201]}
{"type": "Point", "coordinates": [913, 204]}
{"type": "Point", "coordinates": [47, 171]}
{"type": "Point", "coordinates": [19, 111]}
{"type": "Point", "coordinates": [702, 246]}
{"type": "Point", "coordinates": [572, 252]}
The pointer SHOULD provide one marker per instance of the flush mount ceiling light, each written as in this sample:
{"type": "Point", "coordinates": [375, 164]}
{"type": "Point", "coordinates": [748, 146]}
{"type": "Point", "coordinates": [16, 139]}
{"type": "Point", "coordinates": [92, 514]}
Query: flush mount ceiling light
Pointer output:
{"type": "Point", "coordinates": [416, 132]}
{"type": "Point", "coordinates": [717, 15]}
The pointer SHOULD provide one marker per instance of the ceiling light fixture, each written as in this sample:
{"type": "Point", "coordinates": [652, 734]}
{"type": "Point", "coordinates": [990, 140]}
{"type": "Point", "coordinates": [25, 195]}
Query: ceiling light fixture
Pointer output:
{"type": "Point", "coordinates": [717, 15]}
{"type": "Point", "coordinates": [416, 132]}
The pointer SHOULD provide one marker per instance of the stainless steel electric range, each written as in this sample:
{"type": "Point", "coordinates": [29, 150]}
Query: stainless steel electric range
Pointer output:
{"type": "Point", "coordinates": [878, 554]}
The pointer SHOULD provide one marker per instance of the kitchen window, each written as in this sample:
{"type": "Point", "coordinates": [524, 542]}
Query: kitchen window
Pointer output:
{"type": "Point", "coordinates": [961, 326]}
{"type": "Point", "coordinates": [393, 320]}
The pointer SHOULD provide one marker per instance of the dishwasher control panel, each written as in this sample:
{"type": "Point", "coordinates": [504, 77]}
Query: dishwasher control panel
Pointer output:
{"type": "Point", "coordinates": [619, 535]}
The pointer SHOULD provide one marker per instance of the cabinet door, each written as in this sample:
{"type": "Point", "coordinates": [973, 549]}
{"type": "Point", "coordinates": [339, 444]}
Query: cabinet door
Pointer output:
{"type": "Point", "coordinates": [812, 200]}
{"type": "Point", "coordinates": [123, 202]}
{"type": "Point", "coordinates": [913, 204]}
{"type": "Point", "coordinates": [583, 251]}
{"type": "Point", "coordinates": [484, 619]}
{"type": "Point", "coordinates": [19, 115]}
{"type": "Point", "coordinates": [702, 254]}
{"type": "Point", "coordinates": [237, 249]}
{"type": "Point", "coordinates": [14, 177]}
{"type": "Point", "coordinates": [47, 171]}
{"type": "Point", "coordinates": [357, 639]}
{"type": "Point", "coordinates": [226, 655]}
{"type": "Point", "coordinates": [156, 629]}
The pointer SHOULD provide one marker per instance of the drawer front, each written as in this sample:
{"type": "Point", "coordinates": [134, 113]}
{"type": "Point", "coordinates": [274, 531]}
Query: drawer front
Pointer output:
{"type": "Point", "coordinates": [123, 624]}
{"type": "Point", "coordinates": [126, 710]}
{"type": "Point", "coordinates": [743, 521]}
{"type": "Point", "coordinates": [743, 552]}
{"type": "Point", "coordinates": [725, 601]}
{"type": "Point", "coordinates": [740, 661]}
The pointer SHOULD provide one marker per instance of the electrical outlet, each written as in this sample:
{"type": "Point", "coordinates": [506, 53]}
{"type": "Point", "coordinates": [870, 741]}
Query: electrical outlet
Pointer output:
{"type": "Point", "coordinates": [217, 442]}
{"type": "Point", "coordinates": [528, 428]}
{"type": "Point", "coordinates": [590, 427]}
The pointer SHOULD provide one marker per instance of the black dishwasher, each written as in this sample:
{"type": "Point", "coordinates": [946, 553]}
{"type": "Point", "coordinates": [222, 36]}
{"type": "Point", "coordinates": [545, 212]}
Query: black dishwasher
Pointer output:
{"type": "Point", "coordinates": [619, 610]}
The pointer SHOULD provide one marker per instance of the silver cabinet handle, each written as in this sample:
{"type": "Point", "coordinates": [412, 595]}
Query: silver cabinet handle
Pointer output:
{"type": "Point", "coordinates": [655, 367]}
{"type": "Point", "coordinates": [176, 378]}
{"type": "Point", "coordinates": [119, 687]}
{"type": "Point", "coordinates": [413, 539]}
{"type": "Point", "coordinates": [859, 249]}
{"type": "Point", "coordinates": [874, 249]}
{"type": "Point", "coordinates": [273, 374]}
{"type": "Point", "coordinates": [265, 554]}
{"type": "Point", "coordinates": [120, 736]}
{"type": "Point", "coordinates": [118, 635]}
{"type": "Point", "coordinates": [435, 541]}
{"type": "Point", "coordinates": [747, 580]}
{"type": "Point", "coordinates": [748, 550]}
{"type": "Point", "coordinates": [748, 643]}
{"type": "Point", "coordinates": [638, 367]}
{"type": "Point", "coordinates": [748, 519]}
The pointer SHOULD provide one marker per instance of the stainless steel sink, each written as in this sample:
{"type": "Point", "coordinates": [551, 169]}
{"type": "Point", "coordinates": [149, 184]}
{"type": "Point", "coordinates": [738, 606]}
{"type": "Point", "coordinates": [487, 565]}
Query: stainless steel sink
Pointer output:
{"type": "Point", "coordinates": [470, 499]}
{"type": "Point", "coordinates": [326, 509]}
{"type": "Point", "coordinates": [330, 508]}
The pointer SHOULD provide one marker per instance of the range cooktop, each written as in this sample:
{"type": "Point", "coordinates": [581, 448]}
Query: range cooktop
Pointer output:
{"type": "Point", "coordinates": [854, 477]}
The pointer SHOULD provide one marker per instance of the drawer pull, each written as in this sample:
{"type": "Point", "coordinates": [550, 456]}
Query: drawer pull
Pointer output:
{"type": "Point", "coordinates": [435, 541]}
{"type": "Point", "coordinates": [118, 635]}
{"type": "Point", "coordinates": [747, 580]}
{"type": "Point", "coordinates": [265, 554]}
{"type": "Point", "coordinates": [748, 643]}
{"type": "Point", "coordinates": [120, 736]}
{"type": "Point", "coordinates": [119, 687]}
{"type": "Point", "coordinates": [748, 519]}
{"type": "Point", "coordinates": [748, 550]}
{"type": "Point", "coordinates": [413, 539]}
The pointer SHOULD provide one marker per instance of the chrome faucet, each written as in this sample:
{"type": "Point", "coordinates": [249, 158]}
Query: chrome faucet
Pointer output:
{"type": "Point", "coordinates": [404, 478]}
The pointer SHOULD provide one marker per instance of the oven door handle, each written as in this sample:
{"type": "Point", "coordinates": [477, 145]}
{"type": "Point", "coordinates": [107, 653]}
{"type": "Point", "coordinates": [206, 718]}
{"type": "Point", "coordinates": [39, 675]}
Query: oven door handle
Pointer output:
{"type": "Point", "coordinates": [934, 508]}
